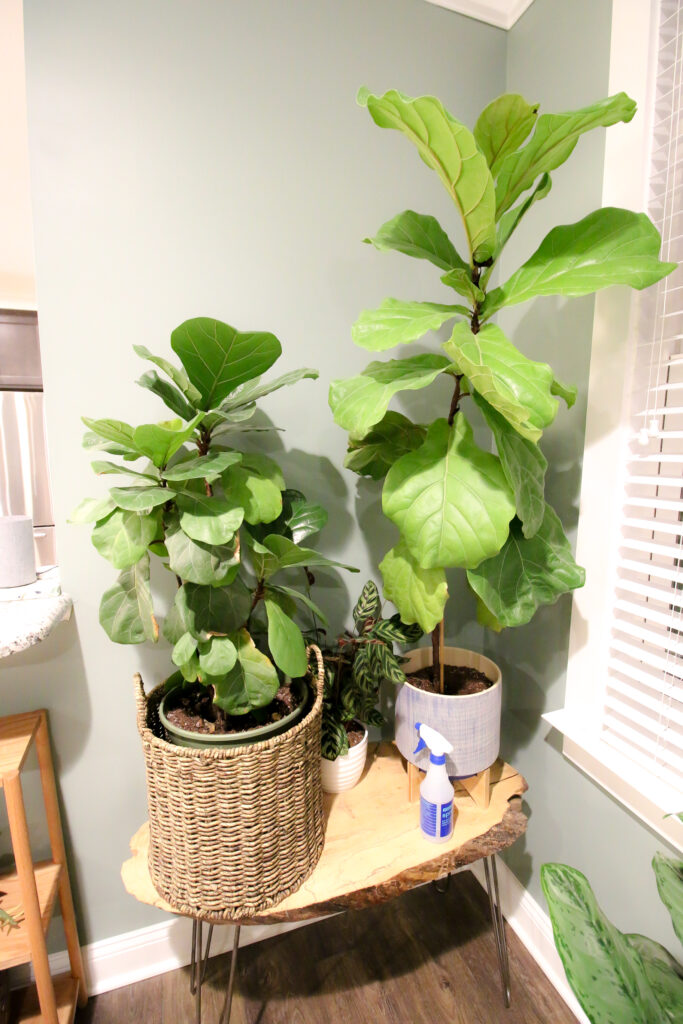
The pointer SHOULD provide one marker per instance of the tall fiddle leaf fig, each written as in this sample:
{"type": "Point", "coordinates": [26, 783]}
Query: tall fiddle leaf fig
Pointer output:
{"type": "Point", "coordinates": [457, 504]}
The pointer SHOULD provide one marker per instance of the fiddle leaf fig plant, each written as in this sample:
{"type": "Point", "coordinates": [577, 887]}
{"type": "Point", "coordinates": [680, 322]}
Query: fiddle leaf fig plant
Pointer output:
{"type": "Point", "coordinates": [455, 504]}
{"type": "Point", "coordinates": [219, 518]}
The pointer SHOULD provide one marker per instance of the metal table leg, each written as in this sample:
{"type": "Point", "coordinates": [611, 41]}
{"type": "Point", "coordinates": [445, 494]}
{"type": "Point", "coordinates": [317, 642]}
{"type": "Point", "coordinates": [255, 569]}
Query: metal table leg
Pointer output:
{"type": "Point", "coordinates": [498, 925]}
{"type": "Point", "coordinates": [231, 981]}
{"type": "Point", "coordinates": [198, 966]}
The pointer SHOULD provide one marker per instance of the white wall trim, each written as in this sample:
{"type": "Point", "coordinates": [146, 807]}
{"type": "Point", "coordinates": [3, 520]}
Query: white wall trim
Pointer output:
{"type": "Point", "coordinates": [501, 13]}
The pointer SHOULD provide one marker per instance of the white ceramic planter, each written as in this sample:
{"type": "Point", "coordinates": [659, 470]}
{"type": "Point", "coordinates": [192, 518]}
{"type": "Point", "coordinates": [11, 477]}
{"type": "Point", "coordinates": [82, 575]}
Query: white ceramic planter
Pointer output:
{"type": "Point", "coordinates": [345, 771]}
{"type": "Point", "coordinates": [470, 723]}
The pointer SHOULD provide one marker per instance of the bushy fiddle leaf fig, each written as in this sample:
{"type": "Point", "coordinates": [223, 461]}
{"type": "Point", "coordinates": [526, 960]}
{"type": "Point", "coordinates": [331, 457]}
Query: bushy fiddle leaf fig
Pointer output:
{"type": "Point", "coordinates": [360, 402]}
{"type": "Point", "coordinates": [527, 573]}
{"type": "Point", "coordinates": [610, 246]}
{"type": "Point", "coordinates": [123, 537]}
{"type": "Point", "coordinates": [418, 235]}
{"type": "Point", "coordinates": [398, 323]}
{"type": "Point", "coordinates": [126, 612]}
{"type": "Point", "coordinates": [503, 126]}
{"type": "Point", "coordinates": [519, 389]}
{"type": "Point", "coordinates": [449, 499]}
{"type": "Point", "coordinates": [375, 453]}
{"type": "Point", "coordinates": [419, 594]}
{"type": "Point", "coordinates": [450, 149]}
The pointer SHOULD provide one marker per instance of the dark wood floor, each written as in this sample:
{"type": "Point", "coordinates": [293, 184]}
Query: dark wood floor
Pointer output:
{"type": "Point", "coordinates": [423, 958]}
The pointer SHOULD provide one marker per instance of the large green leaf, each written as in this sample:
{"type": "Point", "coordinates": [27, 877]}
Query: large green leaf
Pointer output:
{"type": "Point", "coordinates": [218, 358]}
{"type": "Point", "coordinates": [669, 875]}
{"type": "Point", "coordinates": [112, 430]}
{"type": "Point", "coordinates": [603, 968]}
{"type": "Point", "coordinates": [256, 485]}
{"type": "Point", "coordinates": [103, 468]}
{"type": "Point", "coordinates": [303, 599]}
{"type": "Point", "coordinates": [209, 519]}
{"type": "Point", "coordinates": [520, 389]}
{"type": "Point", "coordinates": [397, 322]}
{"type": "Point", "coordinates": [527, 573]}
{"type": "Point", "coordinates": [159, 441]}
{"type": "Point", "coordinates": [194, 562]}
{"type": "Point", "coordinates": [91, 510]}
{"type": "Point", "coordinates": [418, 235]}
{"type": "Point", "coordinates": [252, 683]}
{"type": "Point", "coordinates": [205, 611]}
{"type": "Point", "coordinates": [184, 649]}
{"type": "Point", "coordinates": [126, 611]}
{"type": "Point", "coordinates": [216, 656]}
{"type": "Point", "coordinates": [374, 454]}
{"type": "Point", "coordinates": [524, 466]}
{"type": "Point", "coordinates": [609, 246]}
{"type": "Point", "coordinates": [664, 974]}
{"type": "Point", "coordinates": [123, 537]}
{"type": "Point", "coordinates": [552, 143]}
{"type": "Point", "coordinates": [298, 519]}
{"type": "Point", "coordinates": [449, 499]}
{"type": "Point", "coordinates": [450, 149]}
{"type": "Point", "coordinates": [205, 467]}
{"type": "Point", "coordinates": [281, 553]}
{"type": "Point", "coordinates": [285, 641]}
{"type": "Point", "coordinates": [168, 394]}
{"type": "Point", "coordinates": [178, 376]}
{"type": "Point", "coordinates": [360, 402]}
{"type": "Point", "coordinates": [420, 595]}
{"type": "Point", "coordinates": [141, 499]}
{"type": "Point", "coordinates": [503, 126]}
{"type": "Point", "coordinates": [254, 390]}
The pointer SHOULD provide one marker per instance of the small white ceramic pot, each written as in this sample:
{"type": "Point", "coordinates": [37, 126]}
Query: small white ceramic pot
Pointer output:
{"type": "Point", "coordinates": [345, 771]}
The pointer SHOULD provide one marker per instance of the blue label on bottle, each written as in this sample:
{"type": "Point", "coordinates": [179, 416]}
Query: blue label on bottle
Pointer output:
{"type": "Point", "coordinates": [446, 815]}
{"type": "Point", "coordinates": [435, 816]}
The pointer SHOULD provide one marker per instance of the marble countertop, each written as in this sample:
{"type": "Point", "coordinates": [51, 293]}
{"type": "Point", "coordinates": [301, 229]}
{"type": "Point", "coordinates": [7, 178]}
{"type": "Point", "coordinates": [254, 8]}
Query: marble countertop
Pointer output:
{"type": "Point", "coordinates": [28, 614]}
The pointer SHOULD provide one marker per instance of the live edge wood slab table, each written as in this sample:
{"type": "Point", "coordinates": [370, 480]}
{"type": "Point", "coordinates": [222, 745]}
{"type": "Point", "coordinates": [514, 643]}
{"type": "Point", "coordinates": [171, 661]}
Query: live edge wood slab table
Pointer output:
{"type": "Point", "coordinates": [374, 851]}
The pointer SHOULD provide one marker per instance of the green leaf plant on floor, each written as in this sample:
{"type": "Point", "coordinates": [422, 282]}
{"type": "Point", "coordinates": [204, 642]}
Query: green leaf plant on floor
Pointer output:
{"type": "Point", "coordinates": [458, 505]}
{"type": "Point", "coordinates": [220, 519]}
{"type": "Point", "coordinates": [617, 978]}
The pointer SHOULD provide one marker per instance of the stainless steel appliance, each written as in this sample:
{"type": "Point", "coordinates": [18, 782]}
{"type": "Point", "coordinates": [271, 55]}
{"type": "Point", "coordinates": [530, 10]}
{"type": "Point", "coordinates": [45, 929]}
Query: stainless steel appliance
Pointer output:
{"type": "Point", "coordinates": [24, 472]}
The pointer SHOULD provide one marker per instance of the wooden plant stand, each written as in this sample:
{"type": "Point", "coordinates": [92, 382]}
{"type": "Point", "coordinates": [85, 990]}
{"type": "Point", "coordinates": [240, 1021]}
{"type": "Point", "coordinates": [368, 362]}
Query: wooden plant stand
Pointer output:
{"type": "Point", "coordinates": [32, 888]}
{"type": "Point", "coordinates": [478, 786]}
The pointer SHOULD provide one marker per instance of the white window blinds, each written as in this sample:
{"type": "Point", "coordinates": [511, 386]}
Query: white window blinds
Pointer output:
{"type": "Point", "coordinates": [643, 704]}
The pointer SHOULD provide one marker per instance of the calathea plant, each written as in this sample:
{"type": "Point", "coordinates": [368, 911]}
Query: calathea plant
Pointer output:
{"type": "Point", "coordinates": [456, 504]}
{"type": "Point", "coordinates": [356, 667]}
{"type": "Point", "coordinates": [617, 978]}
{"type": "Point", "coordinates": [219, 518]}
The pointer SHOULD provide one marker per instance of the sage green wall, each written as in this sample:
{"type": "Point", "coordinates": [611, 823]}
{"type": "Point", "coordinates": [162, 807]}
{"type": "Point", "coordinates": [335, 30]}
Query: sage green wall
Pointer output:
{"type": "Point", "coordinates": [207, 159]}
{"type": "Point", "coordinates": [558, 53]}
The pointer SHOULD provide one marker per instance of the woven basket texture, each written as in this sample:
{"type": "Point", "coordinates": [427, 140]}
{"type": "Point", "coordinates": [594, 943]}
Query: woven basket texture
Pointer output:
{"type": "Point", "coordinates": [233, 832]}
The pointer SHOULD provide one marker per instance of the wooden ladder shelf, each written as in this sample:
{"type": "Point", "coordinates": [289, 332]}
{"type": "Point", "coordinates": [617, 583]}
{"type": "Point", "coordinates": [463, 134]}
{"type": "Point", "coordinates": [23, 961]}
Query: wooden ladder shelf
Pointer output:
{"type": "Point", "coordinates": [31, 890]}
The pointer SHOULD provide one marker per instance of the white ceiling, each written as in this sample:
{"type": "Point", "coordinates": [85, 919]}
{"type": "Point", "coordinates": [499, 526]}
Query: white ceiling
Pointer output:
{"type": "Point", "coordinates": [501, 13]}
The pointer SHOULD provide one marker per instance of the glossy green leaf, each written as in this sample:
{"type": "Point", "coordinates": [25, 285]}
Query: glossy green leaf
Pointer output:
{"type": "Point", "coordinates": [204, 611]}
{"type": "Point", "coordinates": [184, 649]}
{"type": "Point", "coordinates": [669, 874]}
{"type": "Point", "coordinates": [159, 441]}
{"type": "Point", "coordinates": [252, 683]}
{"type": "Point", "coordinates": [253, 390]}
{"type": "Point", "coordinates": [307, 518]}
{"type": "Point", "coordinates": [527, 573]}
{"type": "Point", "coordinates": [126, 611]}
{"type": "Point", "coordinates": [189, 670]}
{"type": "Point", "coordinates": [216, 656]}
{"type": "Point", "coordinates": [103, 468]}
{"type": "Point", "coordinates": [218, 358]}
{"type": "Point", "coordinates": [255, 485]}
{"type": "Point", "coordinates": [396, 322]}
{"type": "Point", "coordinates": [93, 441]}
{"type": "Point", "coordinates": [503, 126]}
{"type": "Point", "coordinates": [449, 499]}
{"type": "Point", "coordinates": [665, 976]}
{"type": "Point", "coordinates": [418, 235]}
{"type": "Point", "coordinates": [510, 221]}
{"type": "Point", "coordinates": [205, 467]}
{"type": "Point", "coordinates": [91, 510]}
{"type": "Point", "coordinates": [609, 246]}
{"type": "Point", "coordinates": [552, 143]}
{"type": "Point", "coordinates": [303, 599]}
{"type": "Point", "coordinates": [566, 391]}
{"type": "Point", "coordinates": [141, 499]}
{"type": "Point", "coordinates": [463, 284]}
{"type": "Point", "coordinates": [209, 519]}
{"type": "Point", "coordinates": [524, 466]}
{"type": "Point", "coordinates": [285, 640]}
{"type": "Point", "coordinates": [123, 537]}
{"type": "Point", "coordinates": [360, 402]}
{"type": "Point", "coordinates": [604, 970]}
{"type": "Point", "coordinates": [112, 430]}
{"type": "Point", "coordinates": [485, 617]}
{"type": "Point", "coordinates": [194, 562]}
{"type": "Point", "coordinates": [168, 394]}
{"type": "Point", "coordinates": [284, 554]}
{"type": "Point", "coordinates": [450, 149]}
{"type": "Point", "coordinates": [517, 387]}
{"type": "Point", "coordinates": [178, 376]}
{"type": "Point", "coordinates": [374, 454]}
{"type": "Point", "coordinates": [420, 595]}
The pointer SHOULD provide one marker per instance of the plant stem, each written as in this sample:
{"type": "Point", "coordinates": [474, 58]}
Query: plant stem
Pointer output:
{"type": "Point", "coordinates": [436, 655]}
{"type": "Point", "coordinates": [455, 400]}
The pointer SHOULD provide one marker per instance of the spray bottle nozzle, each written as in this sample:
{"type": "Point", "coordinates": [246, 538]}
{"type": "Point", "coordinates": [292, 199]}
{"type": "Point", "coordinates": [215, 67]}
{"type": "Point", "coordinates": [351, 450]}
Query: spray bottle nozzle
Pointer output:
{"type": "Point", "coordinates": [438, 744]}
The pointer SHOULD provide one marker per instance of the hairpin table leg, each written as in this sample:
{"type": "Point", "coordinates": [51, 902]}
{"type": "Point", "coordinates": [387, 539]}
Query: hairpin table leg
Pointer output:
{"type": "Point", "coordinates": [231, 980]}
{"type": "Point", "coordinates": [198, 965]}
{"type": "Point", "coordinates": [441, 884]}
{"type": "Point", "coordinates": [498, 925]}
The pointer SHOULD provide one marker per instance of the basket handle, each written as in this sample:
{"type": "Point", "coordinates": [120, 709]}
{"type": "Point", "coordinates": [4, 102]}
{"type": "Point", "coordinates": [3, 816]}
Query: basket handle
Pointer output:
{"type": "Point", "coordinates": [320, 675]}
{"type": "Point", "coordinates": [140, 702]}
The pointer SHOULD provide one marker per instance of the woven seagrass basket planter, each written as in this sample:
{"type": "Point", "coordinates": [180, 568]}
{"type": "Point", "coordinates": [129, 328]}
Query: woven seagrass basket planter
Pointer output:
{"type": "Point", "coordinates": [232, 832]}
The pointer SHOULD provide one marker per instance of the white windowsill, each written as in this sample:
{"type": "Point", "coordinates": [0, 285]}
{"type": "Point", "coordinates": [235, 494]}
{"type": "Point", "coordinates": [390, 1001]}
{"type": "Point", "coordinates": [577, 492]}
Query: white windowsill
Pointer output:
{"type": "Point", "coordinates": [649, 799]}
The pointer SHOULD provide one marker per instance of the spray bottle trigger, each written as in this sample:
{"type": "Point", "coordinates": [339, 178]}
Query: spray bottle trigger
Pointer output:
{"type": "Point", "coordinates": [421, 745]}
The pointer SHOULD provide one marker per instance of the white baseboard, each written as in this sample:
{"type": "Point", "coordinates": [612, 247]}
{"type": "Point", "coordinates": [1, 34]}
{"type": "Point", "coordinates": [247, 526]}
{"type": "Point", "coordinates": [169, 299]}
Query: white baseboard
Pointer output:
{"type": "Point", "coordinates": [134, 956]}
{"type": "Point", "coordinates": [531, 924]}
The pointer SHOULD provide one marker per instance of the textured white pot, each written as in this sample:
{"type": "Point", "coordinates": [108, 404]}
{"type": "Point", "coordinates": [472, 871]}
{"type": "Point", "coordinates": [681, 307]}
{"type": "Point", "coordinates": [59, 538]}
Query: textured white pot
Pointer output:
{"type": "Point", "coordinates": [345, 771]}
{"type": "Point", "coordinates": [470, 723]}
{"type": "Point", "coordinates": [17, 557]}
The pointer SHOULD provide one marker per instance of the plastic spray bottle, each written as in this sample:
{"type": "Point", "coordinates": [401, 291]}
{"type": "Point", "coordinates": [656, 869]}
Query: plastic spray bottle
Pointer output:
{"type": "Point", "coordinates": [436, 791]}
